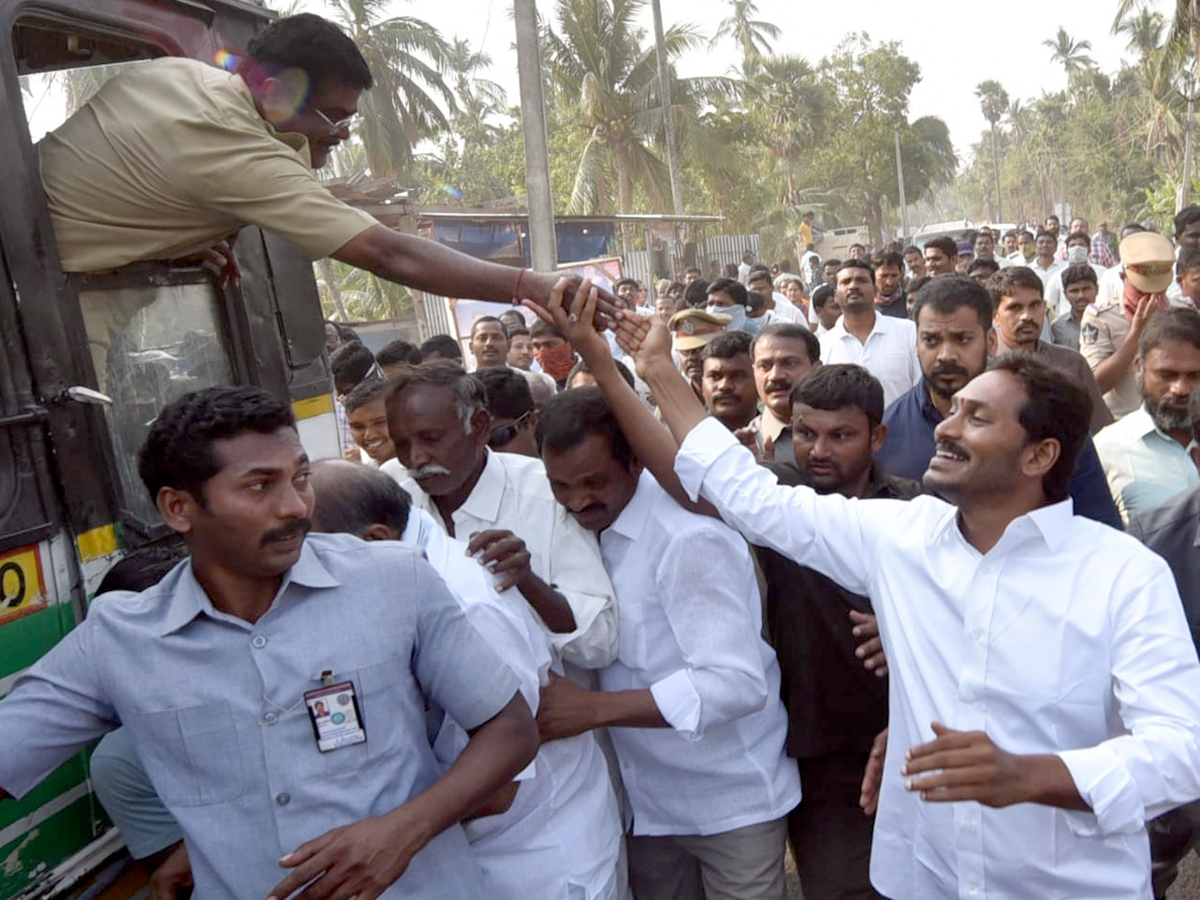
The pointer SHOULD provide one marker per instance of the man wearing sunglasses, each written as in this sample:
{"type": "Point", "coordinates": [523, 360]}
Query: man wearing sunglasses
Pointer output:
{"type": "Point", "coordinates": [501, 504]}
{"type": "Point", "coordinates": [173, 156]}
{"type": "Point", "coordinates": [514, 414]}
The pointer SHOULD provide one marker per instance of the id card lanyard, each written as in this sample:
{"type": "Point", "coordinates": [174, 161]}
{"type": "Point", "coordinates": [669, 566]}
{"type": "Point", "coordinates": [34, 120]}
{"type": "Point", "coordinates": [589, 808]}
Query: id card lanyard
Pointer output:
{"type": "Point", "coordinates": [334, 712]}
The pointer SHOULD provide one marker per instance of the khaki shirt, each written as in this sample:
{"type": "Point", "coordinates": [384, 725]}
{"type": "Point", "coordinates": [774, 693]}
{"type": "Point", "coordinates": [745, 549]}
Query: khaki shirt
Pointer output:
{"type": "Point", "coordinates": [1102, 331]}
{"type": "Point", "coordinates": [171, 156]}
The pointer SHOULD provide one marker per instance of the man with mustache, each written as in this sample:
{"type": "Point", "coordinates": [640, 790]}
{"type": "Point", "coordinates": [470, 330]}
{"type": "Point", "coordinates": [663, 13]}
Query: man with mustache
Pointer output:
{"type": "Point", "coordinates": [216, 672]}
{"type": "Point", "coordinates": [782, 354]}
{"type": "Point", "coordinates": [1020, 317]}
{"type": "Point", "coordinates": [501, 504]}
{"type": "Point", "coordinates": [729, 380]}
{"type": "Point", "coordinates": [1144, 454]}
{"type": "Point", "coordinates": [954, 340]}
{"type": "Point", "coordinates": [1045, 695]}
{"type": "Point", "coordinates": [881, 344]}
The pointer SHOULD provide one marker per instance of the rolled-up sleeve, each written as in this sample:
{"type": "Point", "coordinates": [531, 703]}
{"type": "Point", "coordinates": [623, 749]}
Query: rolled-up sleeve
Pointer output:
{"type": "Point", "coordinates": [716, 631]}
{"type": "Point", "coordinates": [52, 712]}
{"type": "Point", "coordinates": [455, 666]}
{"type": "Point", "coordinates": [577, 572]}
{"type": "Point", "coordinates": [827, 533]}
{"type": "Point", "coordinates": [1138, 776]}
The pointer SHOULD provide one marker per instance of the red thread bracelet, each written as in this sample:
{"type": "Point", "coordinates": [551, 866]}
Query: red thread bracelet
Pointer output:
{"type": "Point", "coordinates": [516, 297]}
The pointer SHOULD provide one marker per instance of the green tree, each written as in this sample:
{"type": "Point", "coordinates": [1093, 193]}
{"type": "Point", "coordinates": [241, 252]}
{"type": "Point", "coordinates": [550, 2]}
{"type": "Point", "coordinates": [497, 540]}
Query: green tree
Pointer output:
{"type": "Point", "coordinates": [1071, 54]}
{"type": "Point", "coordinates": [993, 103]}
{"type": "Point", "coordinates": [408, 58]}
{"type": "Point", "coordinates": [752, 36]}
{"type": "Point", "coordinates": [604, 77]}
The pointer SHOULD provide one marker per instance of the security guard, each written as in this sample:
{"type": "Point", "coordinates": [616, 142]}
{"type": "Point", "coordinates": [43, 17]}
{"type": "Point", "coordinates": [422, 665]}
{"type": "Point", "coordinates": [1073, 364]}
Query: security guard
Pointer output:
{"type": "Point", "coordinates": [692, 330]}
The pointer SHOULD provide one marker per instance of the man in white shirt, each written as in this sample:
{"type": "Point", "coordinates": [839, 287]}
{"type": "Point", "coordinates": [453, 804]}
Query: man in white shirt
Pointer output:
{"type": "Point", "coordinates": [883, 345]}
{"type": "Point", "coordinates": [1047, 264]}
{"type": "Point", "coordinates": [1079, 245]}
{"type": "Point", "coordinates": [778, 307]}
{"type": "Point", "coordinates": [692, 701]}
{"type": "Point", "coordinates": [501, 504]}
{"type": "Point", "coordinates": [1045, 694]}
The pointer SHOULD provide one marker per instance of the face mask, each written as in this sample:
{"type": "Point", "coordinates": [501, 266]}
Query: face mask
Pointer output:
{"type": "Point", "coordinates": [1077, 255]}
{"type": "Point", "coordinates": [557, 361]}
{"type": "Point", "coordinates": [737, 312]}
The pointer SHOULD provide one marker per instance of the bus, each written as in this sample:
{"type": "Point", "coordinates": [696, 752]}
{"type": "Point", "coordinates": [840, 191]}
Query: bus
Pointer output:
{"type": "Point", "coordinates": [76, 402]}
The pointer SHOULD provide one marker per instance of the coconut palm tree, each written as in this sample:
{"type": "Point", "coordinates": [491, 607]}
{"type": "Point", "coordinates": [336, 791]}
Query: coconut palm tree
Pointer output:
{"type": "Point", "coordinates": [753, 36]}
{"type": "Point", "coordinates": [993, 103]}
{"type": "Point", "coordinates": [479, 100]}
{"type": "Point", "coordinates": [410, 99]}
{"type": "Point", "coordinates": [606, 84]}
{"type": "Point", "coordinates": [1071, 54]}
{"type": "Point", "coordinates": [1144, 30]}
{"type": "Point", "coordinates": [1179, 45]}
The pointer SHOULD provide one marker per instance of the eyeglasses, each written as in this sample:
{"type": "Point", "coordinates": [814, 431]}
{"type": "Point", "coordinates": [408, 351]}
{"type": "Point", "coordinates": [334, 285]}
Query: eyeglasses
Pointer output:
{"type": "Point", "coordinates": [506, 434]}
{"type": "Point", "coordinates": [350, 122]}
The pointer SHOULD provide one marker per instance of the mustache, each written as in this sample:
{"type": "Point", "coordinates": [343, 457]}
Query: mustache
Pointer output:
{"type": "Point", "coordinates": [595, 507]}
{"type": "Point", "coordinates": [951, 447]}
{"type": "Point", "coordinates": [427, 470]}
{"type": "Point", "coordinates": [778, 385]}
{"type": "Point", "coordinates": [286, 532]}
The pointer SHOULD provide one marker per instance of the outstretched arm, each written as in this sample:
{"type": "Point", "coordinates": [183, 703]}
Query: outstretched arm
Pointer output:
{"type": "Point", "coordinates": [573, 310]}
{"type": "Point", "coordinates": [430, 266]}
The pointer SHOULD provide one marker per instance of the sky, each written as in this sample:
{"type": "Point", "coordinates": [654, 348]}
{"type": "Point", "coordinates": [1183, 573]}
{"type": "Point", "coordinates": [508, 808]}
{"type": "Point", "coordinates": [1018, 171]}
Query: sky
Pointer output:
{"type": "Point", "coordinates": [956, 47]}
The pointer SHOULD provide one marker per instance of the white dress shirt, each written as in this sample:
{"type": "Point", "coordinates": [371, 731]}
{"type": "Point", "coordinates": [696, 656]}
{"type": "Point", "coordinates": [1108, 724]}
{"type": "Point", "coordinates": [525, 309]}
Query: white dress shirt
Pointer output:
{"type": "Point", "coordinates": [787, 311]}
{"type": "Point", "coordinates": [1049, 272]}
{"type": "Point", "coordinates": [1056, 298]}
{"type": "Point", "coordinates": [1067, 637]}
{"type": "Point", "coordinates": [691, 632]}
{"type": "Point", "coordinates": [561, 836]}
{"type": "Point", "coordinates": [513, 494]}
{"type": "Point", "coordinates": [890, 353]}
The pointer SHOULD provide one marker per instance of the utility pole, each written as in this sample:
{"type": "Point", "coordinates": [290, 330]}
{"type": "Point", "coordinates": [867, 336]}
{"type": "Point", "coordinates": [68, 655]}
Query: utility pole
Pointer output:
{"type": "Point", "coordinates": [996, 177]}
{"type": "Point", "coordinates": [543, 246]}
{"type": "Point", "coordinates": [664, 82]}
{"type": "Point", "coordinates": [900, 183]}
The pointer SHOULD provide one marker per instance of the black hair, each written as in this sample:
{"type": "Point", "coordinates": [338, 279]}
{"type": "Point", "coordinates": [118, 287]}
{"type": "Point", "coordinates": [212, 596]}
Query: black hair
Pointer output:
{"type": "Point", "coordinates": [858, 264]}
{"type": "Point", "coordinates": [947, 245]}
{"type": "Point", "coordinates": [1056, 406]}
{"type": "Point", "coordinates": [1042, 232]}
{"type": "Point", "coordinates": [831, 262]}
{"type": "Point", "coordinates": [622, 370]}
{"type": "Point", "coordinates": [948, 294]}
{"type": "Point", "coordinates": [350, 498]}
{"type": "Point", "coordinates": [695, 294]}
{"type": "Point", "coordinates": [441, 345]}
{"type": "Point", "coordinates": [541, 328]}
{"type": "Point", "coordinates": [350, 364]}
{"type": "Point", "coordinates": [178, 452]}
{"type": "Point", "coordinates": [347, 334]}
{"type": "Point", "coordinates": [911, 248]}
{"type": "Point", "coordinates": [980, 264]}
{"type": "Point", "coordinates": [493, 319]}
{"type": "Point", "coordinates": [568, 418]}
{"type": "Point", "coordinates": [729, 344]}
{"type": "Point", "coordinates": [1004, 282]}
{"type": "Point", "coordinates": [822, 295]}
{"type": "Point", "coordinates": [1189, 258]}
{"type": "Point", "coordinates": [508, 393]}
{"type": "Point", "coordinates": [1079, 236]}
{"type": "Point", "coordinates": [314, 45]}
{"type": "Point", "coordinates": [364, 392]}
{"type": "Point", "coordinates": [735, 289]}
{"type": "Point", "coordinates": [763, 274]}
{"type": "Point", "coordinates": [1132, 228]}
{"type": "Point", "coordinates": [838, 386]}
{"type": "Point", "coordinates": [398, 351]}
{"type": "Point", "coordinates": [793, 332]}
{"type": "Point", "coordinates": [1194, 414]}
{"type": "Point", "coordinates": [622, 281]}
{"type": "Point", "coordinates": [144, 567]}
{"type": "Point", "coordinates": [516, 331]}
{"type": "Point", "coordinates": [1174, 324]}
{"type": "Point", "coordinates": [888, 258]}
{"type": "Point", "coordinates": [1185, 217]}
{"type": "Point", "coordinates": [695, 269]}
{"type": "Point", "coordinates": [1083, 272]}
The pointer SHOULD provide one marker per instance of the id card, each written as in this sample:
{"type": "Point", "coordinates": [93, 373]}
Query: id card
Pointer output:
{"type": "Point", "coordinates": [335, 717]}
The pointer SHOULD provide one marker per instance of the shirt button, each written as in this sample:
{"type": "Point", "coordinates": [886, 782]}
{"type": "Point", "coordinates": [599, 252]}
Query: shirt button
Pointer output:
{"type": "Point", "coordinates": [258, 642]}
{"type": "Point", "coordinates": [971, 889]}
{"type": "Point", "coordinates": [971, 697]}
{"type": "Point", "coordinates": [977, 634]}
{"type": "Point", "coordinates": [969, 828]}
{"type": "Point", "coordinates": [283, 799]}
{"type": "Point", "coordinates": [270, 718]}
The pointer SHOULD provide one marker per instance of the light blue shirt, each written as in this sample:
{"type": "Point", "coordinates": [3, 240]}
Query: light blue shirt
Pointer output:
{"type": "Point", "coordinates": [215, 707]}
{"type": "Point", "coordinates": [1145, 466]}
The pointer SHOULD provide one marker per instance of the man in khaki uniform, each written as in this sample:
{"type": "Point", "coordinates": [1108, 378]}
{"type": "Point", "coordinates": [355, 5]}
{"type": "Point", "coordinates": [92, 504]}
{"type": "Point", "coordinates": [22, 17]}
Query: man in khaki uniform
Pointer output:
{"type": "Point", "coordinates": [173, 156]}
{"type": "Point", "coordinates": [1108, 334]}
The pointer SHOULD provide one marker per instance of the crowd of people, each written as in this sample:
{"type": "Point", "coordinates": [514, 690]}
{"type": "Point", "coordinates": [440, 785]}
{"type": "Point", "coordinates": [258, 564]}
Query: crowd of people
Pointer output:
{"type": "Point", "coordinates": [891, 562]}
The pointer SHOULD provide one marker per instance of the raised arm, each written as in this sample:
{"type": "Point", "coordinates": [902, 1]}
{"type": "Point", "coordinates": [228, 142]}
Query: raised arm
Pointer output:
{"type": "Point", "coordinates": [573, 310]}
